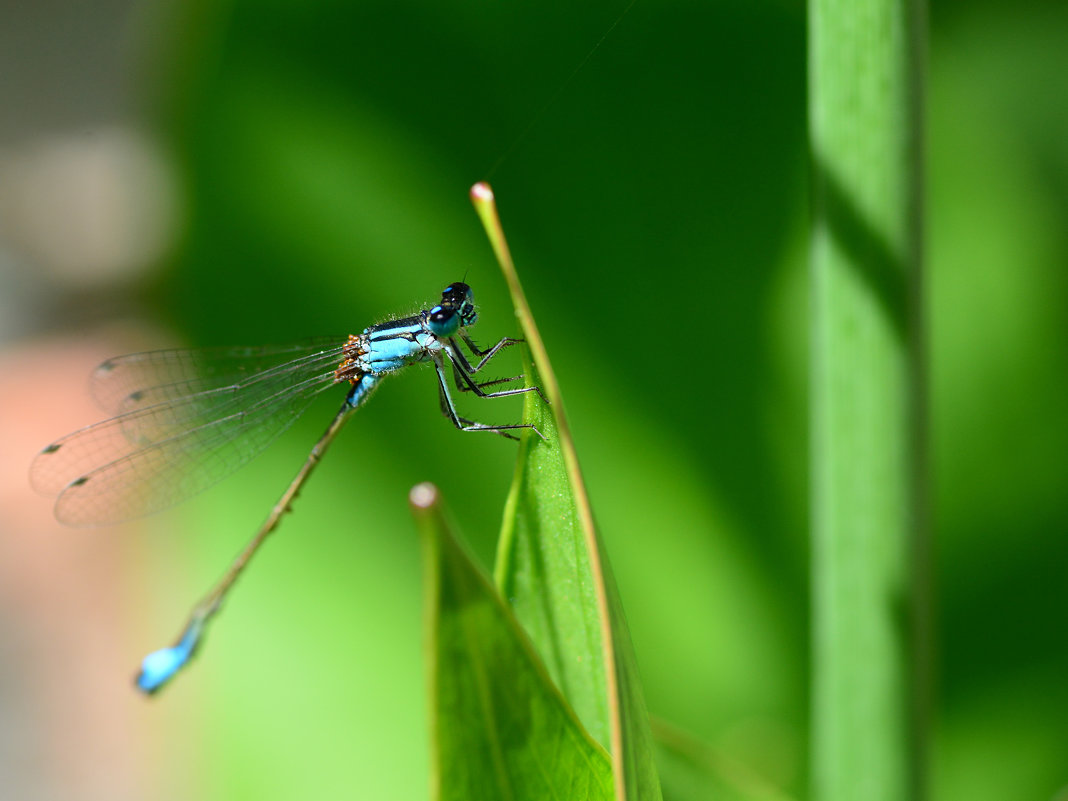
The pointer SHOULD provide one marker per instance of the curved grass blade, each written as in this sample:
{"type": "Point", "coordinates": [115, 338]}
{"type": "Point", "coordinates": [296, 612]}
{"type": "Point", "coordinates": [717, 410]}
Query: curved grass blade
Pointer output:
{"type": "Point", "coordinates": [500, 728]}
{"type": "Point", "coordinates": [552, 567]}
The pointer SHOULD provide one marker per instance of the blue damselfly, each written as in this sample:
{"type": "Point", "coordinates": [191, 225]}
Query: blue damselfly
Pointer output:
{"type": "Point", "coordinates": [184, 419]}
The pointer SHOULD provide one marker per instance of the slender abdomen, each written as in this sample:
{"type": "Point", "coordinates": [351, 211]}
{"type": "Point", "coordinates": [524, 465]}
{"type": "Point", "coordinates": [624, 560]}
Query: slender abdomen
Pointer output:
{"type": "Point", "coordinates": [362, 388]}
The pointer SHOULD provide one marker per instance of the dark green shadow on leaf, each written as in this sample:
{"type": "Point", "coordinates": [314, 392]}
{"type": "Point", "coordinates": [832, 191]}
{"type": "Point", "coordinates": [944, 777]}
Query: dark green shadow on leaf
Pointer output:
{"type": "Point", "coordinates": [499, 727]}
{"type": "Point", "coordinates": [553, 570]}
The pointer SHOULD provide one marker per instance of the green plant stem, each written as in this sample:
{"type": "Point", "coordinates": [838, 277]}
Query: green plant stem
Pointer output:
{"type": "Point", "coordinates": [869, 572]}
{"type": "Point", "coordinates": [555, 572]}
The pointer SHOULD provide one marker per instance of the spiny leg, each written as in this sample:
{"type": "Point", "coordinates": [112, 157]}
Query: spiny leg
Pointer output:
{"type": "Point", "coordinates": [449, 408]}
{"type": "Point", "coordinates": [463, 374]}
{"type": "Point", "coordinates": [463, 370]}
{"type": "Point", "coordinates": [462, 422]}
{"type": "Point", "coordinates": [462, 385]}
{"type": "Point", "coordinates": [485, 355]}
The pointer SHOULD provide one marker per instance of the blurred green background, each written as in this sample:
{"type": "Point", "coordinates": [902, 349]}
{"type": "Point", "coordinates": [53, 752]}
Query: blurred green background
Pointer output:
{"type": "Point", "coordinates": [213, 173]}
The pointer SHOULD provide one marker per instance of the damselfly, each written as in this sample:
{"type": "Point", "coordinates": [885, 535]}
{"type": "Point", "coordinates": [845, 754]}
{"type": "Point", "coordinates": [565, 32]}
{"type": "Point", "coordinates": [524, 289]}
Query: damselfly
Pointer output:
{"type": "Point", "coordinates": [184, 419]}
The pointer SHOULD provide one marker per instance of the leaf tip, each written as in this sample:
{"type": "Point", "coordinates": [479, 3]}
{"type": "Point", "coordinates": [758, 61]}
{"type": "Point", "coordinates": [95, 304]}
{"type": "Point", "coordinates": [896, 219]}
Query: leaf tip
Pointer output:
{"type": "Point", "coordinates": [481, 192]}
{"type": "Point", "coordinates": [424, 496]}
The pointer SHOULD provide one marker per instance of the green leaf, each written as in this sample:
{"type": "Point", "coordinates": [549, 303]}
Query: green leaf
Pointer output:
{"type": "Point", "coordinates": [552, 568]}
{"type": "Point", "coordinates": [500, 729]}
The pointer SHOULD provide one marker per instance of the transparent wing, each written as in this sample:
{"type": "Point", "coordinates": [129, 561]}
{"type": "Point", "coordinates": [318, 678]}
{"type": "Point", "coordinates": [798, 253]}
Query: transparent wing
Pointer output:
{"type": "Point", "coordinates": [137, 380]}
{"type": "Point", "coordinates": [176, 439]}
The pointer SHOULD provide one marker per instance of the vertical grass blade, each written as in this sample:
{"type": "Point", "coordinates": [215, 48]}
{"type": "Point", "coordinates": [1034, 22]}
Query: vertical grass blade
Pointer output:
{"type": "Point", "coordinates": [499, 727]}
{"type": "Point", "coordinates": [553, 569]}
{"type": "Point", "coordinates": [869, 572]}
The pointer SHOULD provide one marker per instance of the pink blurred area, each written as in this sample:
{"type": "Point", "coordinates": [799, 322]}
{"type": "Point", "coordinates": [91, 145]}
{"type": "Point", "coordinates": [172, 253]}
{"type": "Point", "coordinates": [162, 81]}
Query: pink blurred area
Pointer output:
{"type": "Point", "coordinates": [86, 209]}
{"type": "Point", "coordinates": [72, 727]}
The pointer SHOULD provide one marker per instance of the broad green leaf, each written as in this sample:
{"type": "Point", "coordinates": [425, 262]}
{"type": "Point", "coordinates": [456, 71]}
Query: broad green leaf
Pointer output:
{"type": "Point", "coordinates": [553, 570]}
{"type": "Point", "coordinates": [499, 727]}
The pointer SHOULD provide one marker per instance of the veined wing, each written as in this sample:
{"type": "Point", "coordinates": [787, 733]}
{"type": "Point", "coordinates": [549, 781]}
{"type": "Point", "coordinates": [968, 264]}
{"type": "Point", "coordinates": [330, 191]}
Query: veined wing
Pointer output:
{"type": "Point", "coordinates": [137, 380]}
{"type": "Point", "coordinates": [157, 455]}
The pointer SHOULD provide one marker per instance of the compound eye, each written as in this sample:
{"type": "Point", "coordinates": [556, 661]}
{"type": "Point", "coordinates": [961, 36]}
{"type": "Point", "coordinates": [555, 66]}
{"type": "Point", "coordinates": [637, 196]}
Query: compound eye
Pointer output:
{"type": "Point", "coordinates": [443, 321]}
